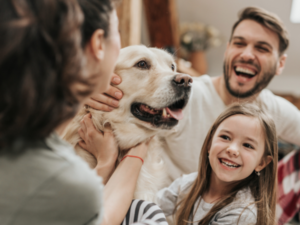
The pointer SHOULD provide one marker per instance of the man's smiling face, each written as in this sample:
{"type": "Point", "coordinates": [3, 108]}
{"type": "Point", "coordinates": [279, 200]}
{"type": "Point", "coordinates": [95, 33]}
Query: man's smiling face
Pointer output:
{"type": "Point", "coordinates": [251, 59]}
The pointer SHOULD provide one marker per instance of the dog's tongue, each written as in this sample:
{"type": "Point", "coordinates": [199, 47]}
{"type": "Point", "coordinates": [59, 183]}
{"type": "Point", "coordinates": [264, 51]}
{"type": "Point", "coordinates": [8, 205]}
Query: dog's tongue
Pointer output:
{"type": "Point", "coordinates": [176, 114]}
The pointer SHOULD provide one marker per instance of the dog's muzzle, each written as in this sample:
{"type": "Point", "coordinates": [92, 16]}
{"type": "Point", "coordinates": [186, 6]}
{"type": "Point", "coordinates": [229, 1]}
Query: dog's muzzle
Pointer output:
{"type": "Point", "coordinates": [168, 116]}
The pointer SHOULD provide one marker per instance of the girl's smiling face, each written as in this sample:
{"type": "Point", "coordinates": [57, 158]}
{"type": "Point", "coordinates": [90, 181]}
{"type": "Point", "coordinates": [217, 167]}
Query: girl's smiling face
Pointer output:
{"type": "Point", "coordinates": [237, 148]}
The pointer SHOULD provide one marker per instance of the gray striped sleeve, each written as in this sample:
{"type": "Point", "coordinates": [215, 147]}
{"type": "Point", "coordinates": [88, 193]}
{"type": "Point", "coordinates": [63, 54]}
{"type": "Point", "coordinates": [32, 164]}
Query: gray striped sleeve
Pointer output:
{"type": "Point", "coordinates": [144, 213]}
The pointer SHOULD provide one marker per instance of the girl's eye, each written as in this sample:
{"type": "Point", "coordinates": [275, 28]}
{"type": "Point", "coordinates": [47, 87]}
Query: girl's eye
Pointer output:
{"type": "Point", "coordinates": [248, 145]}
{"type": "Point", "coordinates": [225, 137]}
{"type": "Point", "coordinates": [142, 65]}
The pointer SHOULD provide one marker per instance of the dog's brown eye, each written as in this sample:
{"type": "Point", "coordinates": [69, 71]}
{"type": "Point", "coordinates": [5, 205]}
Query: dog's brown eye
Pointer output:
{"type": "Point", "coordinates": [173, 67]}
{"type": "Point", "coordinates": [142, 65]}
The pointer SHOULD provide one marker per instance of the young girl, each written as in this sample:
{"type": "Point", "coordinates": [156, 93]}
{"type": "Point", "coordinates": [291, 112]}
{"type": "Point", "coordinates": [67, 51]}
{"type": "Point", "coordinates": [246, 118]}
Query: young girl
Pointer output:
{"type": "Point", "coordinates": [236, 181]}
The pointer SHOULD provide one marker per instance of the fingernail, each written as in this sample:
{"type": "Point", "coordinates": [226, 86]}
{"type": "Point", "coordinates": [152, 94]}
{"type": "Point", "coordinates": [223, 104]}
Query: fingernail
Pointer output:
{"type": "Point", "coordinates": [115, 103]}
{"type": "Point", "coordinates": [118, 94]}
{"type": "Point", "coordinates": [116, 80]}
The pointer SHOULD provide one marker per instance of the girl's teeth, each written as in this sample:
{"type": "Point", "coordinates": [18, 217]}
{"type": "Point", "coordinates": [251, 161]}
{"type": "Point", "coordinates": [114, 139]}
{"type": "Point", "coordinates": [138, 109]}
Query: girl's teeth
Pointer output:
{"type": "Point", "coordinates": [228, 164]}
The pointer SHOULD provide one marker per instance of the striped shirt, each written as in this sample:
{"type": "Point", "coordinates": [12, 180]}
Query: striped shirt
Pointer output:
{"type": "Point", "coordinates": [144, 213]}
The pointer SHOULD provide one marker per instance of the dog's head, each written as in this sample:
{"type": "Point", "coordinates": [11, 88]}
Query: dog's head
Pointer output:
{"type": "Point", "coordinates": [154, 93]}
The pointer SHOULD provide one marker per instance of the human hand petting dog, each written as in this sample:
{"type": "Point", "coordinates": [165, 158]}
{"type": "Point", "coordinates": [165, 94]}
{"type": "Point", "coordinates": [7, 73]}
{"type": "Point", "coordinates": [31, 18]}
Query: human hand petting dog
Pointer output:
{"type": "Point", "coordinates": [101, 145]}
{"type": "Point", "coordinates": [110, 99]}
{"type": "Point", "coordinates": [104, 148]}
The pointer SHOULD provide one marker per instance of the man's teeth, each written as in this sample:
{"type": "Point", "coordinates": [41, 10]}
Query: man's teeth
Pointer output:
{"type": "Point", "coordinates": [229, 164]}
{"type": "Point", "coordinates": [244, 70]}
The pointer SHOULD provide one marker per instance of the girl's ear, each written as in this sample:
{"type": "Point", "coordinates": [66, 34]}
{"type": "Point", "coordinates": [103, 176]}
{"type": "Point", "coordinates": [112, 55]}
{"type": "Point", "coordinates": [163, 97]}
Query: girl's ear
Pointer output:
{"type": "Point", "coordinates": [263, 163]}
{"type": "Point", "coordinates": [97, 44]}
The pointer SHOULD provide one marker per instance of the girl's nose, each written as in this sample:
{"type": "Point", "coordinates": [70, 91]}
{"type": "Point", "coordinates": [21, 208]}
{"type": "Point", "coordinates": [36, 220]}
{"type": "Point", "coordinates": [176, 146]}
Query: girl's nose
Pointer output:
{"type": "Point", "coordinates": [233, 151]}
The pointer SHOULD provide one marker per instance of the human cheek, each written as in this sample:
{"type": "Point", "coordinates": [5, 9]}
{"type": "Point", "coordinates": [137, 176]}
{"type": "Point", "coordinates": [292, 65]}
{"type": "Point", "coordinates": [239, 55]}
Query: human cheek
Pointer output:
{"type": "Point", "coordinates": [249, 159]}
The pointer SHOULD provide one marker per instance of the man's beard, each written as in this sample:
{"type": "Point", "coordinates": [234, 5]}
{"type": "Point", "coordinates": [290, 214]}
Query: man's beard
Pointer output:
{"type": "Point", "coordinates": [260, 85]}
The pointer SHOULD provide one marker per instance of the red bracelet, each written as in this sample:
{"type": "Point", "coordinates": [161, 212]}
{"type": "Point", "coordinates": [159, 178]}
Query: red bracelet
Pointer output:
{"type": "Point", "coordinates": [133, 156]}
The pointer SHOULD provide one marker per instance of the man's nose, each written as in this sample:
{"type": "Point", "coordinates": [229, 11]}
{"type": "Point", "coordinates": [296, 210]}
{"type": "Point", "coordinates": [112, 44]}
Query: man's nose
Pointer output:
{"type": "Point", "coordinates": [248, 53]}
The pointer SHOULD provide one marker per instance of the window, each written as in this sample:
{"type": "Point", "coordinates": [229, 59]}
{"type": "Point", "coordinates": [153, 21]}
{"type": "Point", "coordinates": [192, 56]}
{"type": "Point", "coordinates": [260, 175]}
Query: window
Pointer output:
{"type": "Point", "coordinates": [295, 12]}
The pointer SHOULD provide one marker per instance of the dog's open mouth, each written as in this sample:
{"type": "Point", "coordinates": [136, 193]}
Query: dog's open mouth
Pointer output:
{"type": "Point", "coordinates": [166, 117]}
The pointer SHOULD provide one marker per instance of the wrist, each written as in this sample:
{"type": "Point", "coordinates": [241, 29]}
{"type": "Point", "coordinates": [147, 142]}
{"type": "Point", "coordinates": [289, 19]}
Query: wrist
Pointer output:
{"type": "Point", "coordinates": [133, 156]}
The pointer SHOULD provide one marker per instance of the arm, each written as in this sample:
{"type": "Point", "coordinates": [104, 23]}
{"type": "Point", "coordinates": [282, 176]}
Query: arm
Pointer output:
{"type": "Point", "coordinates": [110, 99]}
{"type": "Point", "coordinates": [119, 190]}
{"type": "Point", "coordinates": [101, 145]}
{"type": "Point", "coordinates": [120, 182]}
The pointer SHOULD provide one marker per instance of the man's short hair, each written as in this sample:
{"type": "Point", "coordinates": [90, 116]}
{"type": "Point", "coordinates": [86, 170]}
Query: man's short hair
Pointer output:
{"type": "Point", "coordinates": [268, 20]}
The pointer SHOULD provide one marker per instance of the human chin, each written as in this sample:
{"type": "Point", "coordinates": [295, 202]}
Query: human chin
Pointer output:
{"type": "Point", "coordinates": [238, 84]}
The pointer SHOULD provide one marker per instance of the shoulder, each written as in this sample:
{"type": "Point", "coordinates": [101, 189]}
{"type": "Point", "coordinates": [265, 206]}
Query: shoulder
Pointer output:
{"type": "Point", "coordinates": [273, 102]}
{"type": "Point", "coordinates": [184, 182]}
{"type": "Point", "coordinates": [242, 210]}
{"type": "Point", "coordinates": [46, 182]}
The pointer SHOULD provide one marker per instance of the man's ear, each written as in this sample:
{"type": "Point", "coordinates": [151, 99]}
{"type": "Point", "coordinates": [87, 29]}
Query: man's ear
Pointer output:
{"type": "Point", "coordinates": [264, 163]}
{"type": "Point", "coordinates": [97, 44]}
{"type": "Point", "coordinates": [281, 64]}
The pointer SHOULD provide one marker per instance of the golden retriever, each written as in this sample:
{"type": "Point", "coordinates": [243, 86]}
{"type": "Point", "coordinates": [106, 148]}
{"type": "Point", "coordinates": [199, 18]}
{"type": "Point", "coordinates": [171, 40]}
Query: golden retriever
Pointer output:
{"type": "Point", "coordinates": [154, 95]}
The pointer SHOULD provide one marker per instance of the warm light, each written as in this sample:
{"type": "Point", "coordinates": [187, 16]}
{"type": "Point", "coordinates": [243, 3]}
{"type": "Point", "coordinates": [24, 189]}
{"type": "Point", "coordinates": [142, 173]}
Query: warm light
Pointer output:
{"type": "Point", "coordinates": [295, 12]}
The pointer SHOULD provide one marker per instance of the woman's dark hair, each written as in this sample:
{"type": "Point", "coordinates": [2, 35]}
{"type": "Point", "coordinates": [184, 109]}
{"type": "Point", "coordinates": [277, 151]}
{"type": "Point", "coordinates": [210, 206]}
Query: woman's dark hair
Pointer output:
{"type": "Point", "coordinates": [96, 16]}
{"type": "Point", "coordinates": [40, 62]}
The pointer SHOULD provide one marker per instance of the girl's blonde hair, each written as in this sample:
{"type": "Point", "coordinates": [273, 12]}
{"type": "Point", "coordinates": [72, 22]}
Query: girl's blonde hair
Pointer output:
{"type": "Point", "coordinates": [263, 187]}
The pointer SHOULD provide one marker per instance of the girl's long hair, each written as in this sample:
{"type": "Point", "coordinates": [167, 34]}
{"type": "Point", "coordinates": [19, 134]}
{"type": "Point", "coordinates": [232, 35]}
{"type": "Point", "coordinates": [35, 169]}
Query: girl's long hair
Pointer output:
{"type": "Point", "coordinates": [263, 187]}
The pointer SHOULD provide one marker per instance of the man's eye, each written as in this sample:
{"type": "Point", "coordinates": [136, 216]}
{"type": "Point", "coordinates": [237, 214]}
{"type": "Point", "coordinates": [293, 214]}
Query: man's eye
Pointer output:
{"type": "Point", "coordinates": [238, 43]}
{"type": "Point", "coordinates": [263, 49]}
{"type": "Point", "coordinates": [142, 64]}
{"type": "Point", "coordinates": [248, 146]}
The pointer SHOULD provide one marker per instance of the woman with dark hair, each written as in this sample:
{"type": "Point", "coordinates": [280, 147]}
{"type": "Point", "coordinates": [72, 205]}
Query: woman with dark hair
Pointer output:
{"type": "Point", "coordinates": [46, 73]}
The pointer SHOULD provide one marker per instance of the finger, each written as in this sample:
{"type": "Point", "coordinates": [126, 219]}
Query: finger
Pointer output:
{"type": "Point", "coordinates": [106, 99]}
{"type": "Point", "coordinates": [89, 123]}
{"type": "Point", "coordinates": [114, 92]}
{"type": "Point", "coordinates": [81, 134]}
{"type": "Point", "coordinates": [116, 79]}
{"type": "Point", "coordinates": [107, 127]}
{"type": "Point", "coordinates": [98, 106]}
{"type": "Point", "coordinates": [83, 145]}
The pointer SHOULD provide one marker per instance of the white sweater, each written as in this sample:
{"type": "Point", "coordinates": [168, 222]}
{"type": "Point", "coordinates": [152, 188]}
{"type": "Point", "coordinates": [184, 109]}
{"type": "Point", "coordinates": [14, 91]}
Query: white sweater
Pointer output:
{"type": "Point", "coordinates": [183, 145]}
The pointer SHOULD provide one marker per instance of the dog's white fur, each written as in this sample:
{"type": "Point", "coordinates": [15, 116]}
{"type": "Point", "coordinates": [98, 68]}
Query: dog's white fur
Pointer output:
{"type": "Point", "coordinates": [149, 86]}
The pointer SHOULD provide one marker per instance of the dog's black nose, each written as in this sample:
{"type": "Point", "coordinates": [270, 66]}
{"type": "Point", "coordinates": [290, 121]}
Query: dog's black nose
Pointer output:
{"type": "Point", "coordinates": [182, 80]}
